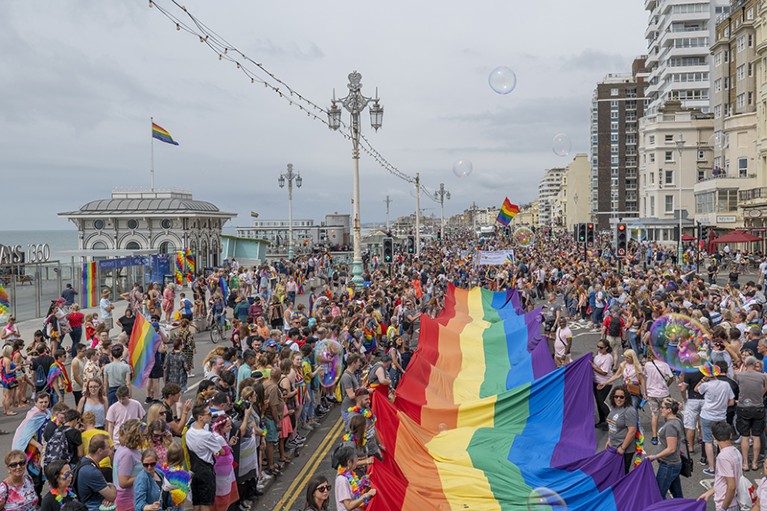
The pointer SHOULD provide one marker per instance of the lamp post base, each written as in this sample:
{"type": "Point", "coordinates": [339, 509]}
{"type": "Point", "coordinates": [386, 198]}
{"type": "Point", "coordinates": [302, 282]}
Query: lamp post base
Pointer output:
{"type": "Point", "coordinates": [357, 272]}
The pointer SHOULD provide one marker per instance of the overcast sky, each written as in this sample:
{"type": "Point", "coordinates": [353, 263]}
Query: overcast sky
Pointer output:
{"type": "Point", "coordinates": [80, 80]}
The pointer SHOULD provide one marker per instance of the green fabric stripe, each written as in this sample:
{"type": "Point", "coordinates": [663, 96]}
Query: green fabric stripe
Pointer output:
{"type": "Point", "coordinates": [497, 364]}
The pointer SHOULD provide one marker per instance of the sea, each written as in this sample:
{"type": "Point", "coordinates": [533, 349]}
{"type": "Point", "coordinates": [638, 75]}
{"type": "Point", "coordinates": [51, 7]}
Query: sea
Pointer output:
{"type": "Point", "coordinates": [59, 241]}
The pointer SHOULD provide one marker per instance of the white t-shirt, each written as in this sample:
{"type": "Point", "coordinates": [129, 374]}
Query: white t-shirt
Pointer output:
{"type": "Point", "coordinates": [716, 394]}
{"type": "Point", "coordinates": [204, 443]}
{"type": "Point", "coordinates": [560, 341]}
{"type": "Point", "coordinates": [761, 492]}
{"type": "Point", "coordinates": [655, 379]}
{"type": "Point", "coordinates": [604, 361]}
{"type": "Point", "coordinates": [729, 463]}
{"type": "Point", "coordinates": [103, 304]}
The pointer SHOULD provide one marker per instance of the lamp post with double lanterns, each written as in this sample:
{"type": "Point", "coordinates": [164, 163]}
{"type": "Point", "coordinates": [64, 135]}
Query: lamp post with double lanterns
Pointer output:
{"type": "Point", "coordinates": [440, 195]}
{"type": "Point", "coordinates": [680, 148]}
{"type": "Point", "coordinates": [355, 103]}
{"type": "Point", "coordinates": [290, 176]}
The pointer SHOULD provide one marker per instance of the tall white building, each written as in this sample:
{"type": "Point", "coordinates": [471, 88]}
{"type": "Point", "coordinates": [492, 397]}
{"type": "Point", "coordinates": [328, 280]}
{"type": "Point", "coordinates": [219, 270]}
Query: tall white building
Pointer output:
{"type": "Point", "coordinates": [547, 195]}
{"type": "Point", "coordinates": [679, 36]}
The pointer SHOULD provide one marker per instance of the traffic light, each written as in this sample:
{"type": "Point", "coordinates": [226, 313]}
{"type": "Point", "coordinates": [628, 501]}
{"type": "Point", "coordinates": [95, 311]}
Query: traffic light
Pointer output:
{"type": "Point", "coordinates": [590, 234]}
{"type": "Point", "coordinates": [388, 250]}
{"type": "Point", "coordinates": [581, 233]}
{"type": "Point", "coordinates": [411, 244]}
{"type": "Point", "coordinates": [620, 239]}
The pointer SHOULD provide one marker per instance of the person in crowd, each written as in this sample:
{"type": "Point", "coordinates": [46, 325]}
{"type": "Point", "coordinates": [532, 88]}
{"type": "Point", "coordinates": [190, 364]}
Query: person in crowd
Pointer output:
{"type": "Point", "coordinates": [176, 364]}
{"type": "Point", "coordinates": [168, 301]}
{"type": "Point", "coordinates": [159, 439]}
{"type": "Point", "coordinates": [125, 409]}
{"type": "Point", "coordinates": [203, 446]}
{"type": "Point", "coordinates": [66, 443]}
{"type": "Point", "coordinates": [17, 491]}
{"type": "Point", "coordinates": [273, 415]}
{"type": "Point", "coordinates": [658, 377]}
{"type": "Point", "coordinates": [728, 470]}
{"type": "Point", "coordinates": [127, 462]}
{"type": "Point", "coordinates": [59, 476]}
{"type": "Point", "coordinates": [90, 484]}
{"type": "Point", "coordinates": [29, 438]}
{"type": "Point", "coordinates": [89, 431]}
{"type": "Point", "coordinates": [127, 321]}
{"type": "Point", "coordinates": [8, 379]}
{"type": "Point", "coordinates": [668, 458]}
{"type": "Point", "coordinates": [75, 319]}
{"type": "Point", "coordinates": [116, 373]}
{"type": "Point", "coordinates": [148, 486]}
{"type": "Point", "coordinates": [94, 401]}
{"type": "Point", "coordinates": [317, 494]}
{"type": "Point", "coordinates": [351, 492]}
{"type": "Point", "coordinates": [632, 373]}
{"type": "Point", "coordinates": [602, 366]}
{"type": "Point", "coordinates": [10, 332]}
{"type": "Point", "coordinates": [717, 396]}
{"type": "Point", "coordinates": [105, 309]}
{"type": "Point", "coordinates": [226, 482]}
{"type": "Point", "coordinates": [58, 377]}
{"type": "Point", "coordinates": [622, 426]}
{"type": "Point", "coordinates": [348, 384]}
{"type": "Point", "coordinates": [750, 410]}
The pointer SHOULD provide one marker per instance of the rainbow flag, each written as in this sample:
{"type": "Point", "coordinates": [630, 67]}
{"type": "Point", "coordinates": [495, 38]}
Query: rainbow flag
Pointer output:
{"type": "Point", "coordinates": [483, 421]}
{"type": "Point", "coordinates": [5, 303]}
{"type": "Point", "coordinates": [89, 295]}
{"type": "Point", "coordinates": [179, 267]}
{"type": "Point", "coordinates": [223, 287]}
{"type": "Point", "coordinates": [161, 134]}
{"type": "Point", "coordinates": [143, 345]}
{"type": "Point", "coordinates": [508, 211]}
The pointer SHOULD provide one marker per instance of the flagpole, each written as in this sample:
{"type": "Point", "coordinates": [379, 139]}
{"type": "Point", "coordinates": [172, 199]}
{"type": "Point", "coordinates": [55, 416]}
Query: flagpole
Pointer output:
{"type": "Point", "coordinates": [151, 139]}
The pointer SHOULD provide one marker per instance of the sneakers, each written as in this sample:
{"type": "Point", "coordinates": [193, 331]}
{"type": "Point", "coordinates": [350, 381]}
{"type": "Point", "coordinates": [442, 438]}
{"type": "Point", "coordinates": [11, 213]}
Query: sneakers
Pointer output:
{"type": "Point", "coordinates": [708, 472]}
{"type": "Point", "coordinates": [654, 440]}
{"type": "Point", "coordinates": [703, 461]}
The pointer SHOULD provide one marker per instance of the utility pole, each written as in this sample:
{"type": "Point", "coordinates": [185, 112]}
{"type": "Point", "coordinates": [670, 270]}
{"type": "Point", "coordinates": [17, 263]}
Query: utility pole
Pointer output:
{"type": "Point", "coordinates": [387, 201]}
{"type": "Point", "coordinates": [417, 214]}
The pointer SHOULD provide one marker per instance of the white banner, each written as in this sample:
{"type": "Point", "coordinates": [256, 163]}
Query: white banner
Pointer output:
{"type": "Point", "coordinates": [495, 257]}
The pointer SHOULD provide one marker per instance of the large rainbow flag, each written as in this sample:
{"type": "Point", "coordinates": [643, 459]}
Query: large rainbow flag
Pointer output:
{"type": "Point", "coordinates": [89, 296]}
{"type": "Point", "coordinates": [484, 421]}
{"type": "Point", "coordinates": [144, 343]}
{"type": "Point", "coordinates": [507, 212]}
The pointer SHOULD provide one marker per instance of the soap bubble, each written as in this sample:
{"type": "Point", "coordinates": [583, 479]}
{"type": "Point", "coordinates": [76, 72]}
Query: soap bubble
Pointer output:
{"type": "Point", "coordinates": [561, 144]}
{"type": "Point", "coordinates": [718, 141]}
{"type": "Point", "coordinates": [638, 232]}
{"type": "Point", "coordinates": [462, 168]}
{"type": "Point", "coordinates": [329, 356]}
{"type": "Point", "coordinates": [524, 236]}
{"type": "Point", "coordinates": [680, 341]}
{"type": "Point", "coordinates": [442, 427]}
{"type": "Point", "coordinates": [502, 80]}
{"type": "Point", "coordinates": [545, 499]}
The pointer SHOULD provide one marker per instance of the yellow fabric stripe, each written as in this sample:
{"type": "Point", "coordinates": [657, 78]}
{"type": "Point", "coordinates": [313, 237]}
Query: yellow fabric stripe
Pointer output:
{"type": "Point", "coordinates": [472, 374]}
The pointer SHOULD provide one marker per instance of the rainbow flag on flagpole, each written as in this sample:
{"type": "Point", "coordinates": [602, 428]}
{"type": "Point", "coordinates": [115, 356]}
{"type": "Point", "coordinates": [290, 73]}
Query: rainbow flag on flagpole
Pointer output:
{"type": "Point", "coordinates": [90, 286]}
{"type": "Point", "coordinates": [508, 211]}
{"type": "Point", "coordinates": [162, 134]}
{"type": "Point", "coordinates": [144, 343]}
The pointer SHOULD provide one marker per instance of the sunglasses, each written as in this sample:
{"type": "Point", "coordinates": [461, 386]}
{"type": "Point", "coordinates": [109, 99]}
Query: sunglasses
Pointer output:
{"type": "Point", "coordinates": [619, 397]}
{"type": "Point", "coordinates": [601, 347]}
{"type": "Point", "coordinates": [17, 464]}
{"type": "Point", "coordinates": [64, 475]}
{"type": "Point", "coordinates": [150, 464]}
{"type": "Point", "coordinates": [324, 488]}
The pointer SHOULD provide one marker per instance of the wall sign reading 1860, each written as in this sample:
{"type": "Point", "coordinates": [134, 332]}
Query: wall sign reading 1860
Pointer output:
{"type": "Point", "coordinates": [15, 254]}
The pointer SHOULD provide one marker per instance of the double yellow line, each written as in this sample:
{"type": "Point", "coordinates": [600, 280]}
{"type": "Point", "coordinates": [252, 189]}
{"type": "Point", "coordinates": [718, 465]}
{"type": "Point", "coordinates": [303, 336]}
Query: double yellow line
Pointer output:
{"type": "Point", "coordinates": [295, 488]}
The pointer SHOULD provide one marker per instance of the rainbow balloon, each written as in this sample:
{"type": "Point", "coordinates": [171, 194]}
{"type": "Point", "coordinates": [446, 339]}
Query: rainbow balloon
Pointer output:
{"type": "Point", "coordinates": [143, 345]}
{"type": "Point", "coordinates": [180, 268]}
{"type": "Point", "coordinates": [189, 264]}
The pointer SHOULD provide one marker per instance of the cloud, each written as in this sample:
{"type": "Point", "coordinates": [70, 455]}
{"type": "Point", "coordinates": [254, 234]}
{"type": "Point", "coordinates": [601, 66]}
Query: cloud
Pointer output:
{"type": "Point", "coordinates": [269, 48]}
{"type": "Point", "coordinates": [594, 60]}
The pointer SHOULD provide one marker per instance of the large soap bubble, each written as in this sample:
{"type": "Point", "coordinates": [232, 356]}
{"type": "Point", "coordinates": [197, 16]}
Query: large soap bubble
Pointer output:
{"type": "Point", "coordinates": [545, 499]}
{"type": "Point", "coordinates": [462, 168]}
{"type": "Point", "coordinates": [561, 144]}
{"type": "Point", "coordinates": [638, 232]}
{"type": "Point", "coordinates": [328, 355]}
{"type": "Point", "coordinates": [502, 80]}
{"type": "Point", "coordinates": [680, 341]}
{"type": "Point", "coordinates": [524, 236]}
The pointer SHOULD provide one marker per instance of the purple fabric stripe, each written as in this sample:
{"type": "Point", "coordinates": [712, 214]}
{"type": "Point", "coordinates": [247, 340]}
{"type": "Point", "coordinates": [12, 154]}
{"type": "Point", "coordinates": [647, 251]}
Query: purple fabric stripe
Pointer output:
{"type": "Point", "coordinates": [578, 410]}
{"type": "Point", "coordinates": [605, 468]}
{"type": "Point", "coordinates": [542, 362]}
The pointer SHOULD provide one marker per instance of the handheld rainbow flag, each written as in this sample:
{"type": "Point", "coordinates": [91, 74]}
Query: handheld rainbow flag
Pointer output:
{"type": "Point", "coordinates": [5, 304]}
{"type": "Point", "coordinates": [143, 345]}
{"type": "Point", "coordinates": [508, 211]}
{"type": "Point", "coordinates": [89, 295]}
{"type": "Point", "coordinates": [161, 134]}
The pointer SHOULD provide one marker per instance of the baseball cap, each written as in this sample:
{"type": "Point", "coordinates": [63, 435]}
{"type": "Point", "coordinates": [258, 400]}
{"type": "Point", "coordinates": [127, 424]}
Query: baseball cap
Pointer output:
{"type": "Point", "coordinates": [271, 343]}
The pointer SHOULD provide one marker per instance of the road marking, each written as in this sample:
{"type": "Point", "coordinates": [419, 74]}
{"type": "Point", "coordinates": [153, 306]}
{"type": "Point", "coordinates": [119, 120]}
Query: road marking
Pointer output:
{"type": "Point", "coordinates": [290, 495]}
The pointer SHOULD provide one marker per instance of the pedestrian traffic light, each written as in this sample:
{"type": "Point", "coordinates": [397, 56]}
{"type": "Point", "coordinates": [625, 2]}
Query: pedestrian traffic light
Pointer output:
{"type": "Point", "coordinates": [590, 234]}
{"type": "Point", "coordinates": [581, 233]}
{"type": "Point", "coordinates": [620, 239]}
{"type": "Point", "coordinates": [388, 250]}
{"type": "Point", "coordinates": [411, 244]}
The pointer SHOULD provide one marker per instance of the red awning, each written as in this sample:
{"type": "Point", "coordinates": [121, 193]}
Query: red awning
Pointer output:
{"type": "Point", "coordinates": [687, 237]}
{"type": "Point", "coordinates": [737, 237]}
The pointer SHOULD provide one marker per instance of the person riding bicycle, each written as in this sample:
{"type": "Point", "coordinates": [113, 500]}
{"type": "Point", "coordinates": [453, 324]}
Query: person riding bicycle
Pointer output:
{"type": "Point", "coordinates": [218, 310]}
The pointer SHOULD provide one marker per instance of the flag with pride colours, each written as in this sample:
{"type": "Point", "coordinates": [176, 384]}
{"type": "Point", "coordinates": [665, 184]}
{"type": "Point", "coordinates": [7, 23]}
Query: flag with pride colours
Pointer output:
{"type": "Point", "coordinates": [144, 343]}
{"type": "Point", "coordinates": [161, 134]}
{"type": "Point", "coordinates": [484, 421]}
{"type": "Point", "coordinates": [508, 211]}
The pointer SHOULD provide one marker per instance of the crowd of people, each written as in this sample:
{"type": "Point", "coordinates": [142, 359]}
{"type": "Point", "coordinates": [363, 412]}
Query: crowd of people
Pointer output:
{"type": "Point", "coordinates": [263, 390]}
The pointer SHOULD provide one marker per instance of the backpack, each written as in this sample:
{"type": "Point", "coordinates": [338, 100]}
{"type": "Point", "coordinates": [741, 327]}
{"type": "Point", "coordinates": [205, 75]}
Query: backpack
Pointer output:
{"type": "Point", "coordinates": [58, 447]}
{"type": "Point", "coordinates": [41, 378]}
{"type": "Point", "coordinates": [614, 328]}
{"type": "Point", "coordinates": [81, 494]}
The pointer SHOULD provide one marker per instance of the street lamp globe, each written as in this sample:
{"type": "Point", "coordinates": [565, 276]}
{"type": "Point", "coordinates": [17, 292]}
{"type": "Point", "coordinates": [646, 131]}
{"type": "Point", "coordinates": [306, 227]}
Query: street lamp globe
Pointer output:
{"type": "Point", "coordinates": [334, 116]}
{"type": "Point", "coordinates": [281, 181]}
{"type": "Point", "coordinates": [299, 180]}
{"type": "Point", "coordinates": [376, 115]}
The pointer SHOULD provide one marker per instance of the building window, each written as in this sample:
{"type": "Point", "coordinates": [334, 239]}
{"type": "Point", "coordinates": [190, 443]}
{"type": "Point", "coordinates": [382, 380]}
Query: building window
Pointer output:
{"type": "Point", "coordinates": [132, 224]}
{"type": "Point", "coordinates": [728, 201]}
{"type": "Point", "coordinates": [614, 114]}
{"type": "Point", "coordinates": [669, 138]}
{"type": "Point", "coordinates": [701, 174]}
{"type": "Point", "coordinates": [613, 126]}
{"type": "Point", "coordinates": [717, 111]}
{"type": "Point", "coordinates": [741, 72]}
{"type": "Point", "coordinates": [669, 203]}
{"type": "Point", "coordinates": [750, 40]}
{"type": "Point", "coordinates": [652, 206]}
{"type": "Point", "coordinates": [614, 92]}
{"type": "Point", "coordinates": [726, 56]}
{"type": "Point", "coordinates": [750, 98]}
{"type": "Point", "coordinates": [718, 59]}
{"type": "Point", "coordinates": [669, 156]}
{"type": "Point", "coordinates": [652, 139]}
{"type": "Point", "coordinates": [669, 177]}
{"type": "Point", "coordinates": [98, 224]}
{"type": "Point", "coordinates": [741, 43]}
{"type": "Point", "coordinates": [718, 85]}
{"type": "Point", "coordinates": [750, 69]}
{"type": "Point", "coordinates": [613, 105]}
{"type": "Point", "coordinates": [652, 157]}
{"type": "Point", "coordinates": [166, 223]}
{"type": "Point", "coordinates": [743, 167]}
{"type": "Point", "coordinates": [750, 16]}
{"type": "Point", "coordinates": [652, 178]}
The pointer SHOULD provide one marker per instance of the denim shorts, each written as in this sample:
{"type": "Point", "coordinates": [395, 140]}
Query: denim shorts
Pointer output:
{"type": "Point", "coordinates": [272, 435]}
{"type": "Point", "coordinates": [705, 429]}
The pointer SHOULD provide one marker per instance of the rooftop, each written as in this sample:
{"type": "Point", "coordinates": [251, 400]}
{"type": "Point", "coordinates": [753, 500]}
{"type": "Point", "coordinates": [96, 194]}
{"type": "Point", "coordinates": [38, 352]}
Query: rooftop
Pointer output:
{"type": "Point", "coordinates": [154, 202]}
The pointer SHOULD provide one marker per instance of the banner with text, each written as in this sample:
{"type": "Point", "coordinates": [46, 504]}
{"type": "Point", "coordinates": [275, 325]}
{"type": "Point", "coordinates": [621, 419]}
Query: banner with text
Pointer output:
{"type": "Point", "coordinates": [495, 257]}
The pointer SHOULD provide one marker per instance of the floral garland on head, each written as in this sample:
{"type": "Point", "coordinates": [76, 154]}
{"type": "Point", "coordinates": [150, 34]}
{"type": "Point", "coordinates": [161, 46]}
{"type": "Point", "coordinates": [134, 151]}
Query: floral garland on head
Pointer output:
{"type": "Point", "coordinates": [60, 498]}
{"type": "Point", "coordinates": [359, 485]}
{"type": "Point", "coordinates": [366, 412]}
{"type": "Point", "coordinates": [351, 437]}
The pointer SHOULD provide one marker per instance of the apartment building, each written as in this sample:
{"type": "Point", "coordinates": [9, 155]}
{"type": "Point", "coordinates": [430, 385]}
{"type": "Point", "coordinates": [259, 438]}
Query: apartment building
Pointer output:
{"type": "Point", "coordinates": [547, 194]}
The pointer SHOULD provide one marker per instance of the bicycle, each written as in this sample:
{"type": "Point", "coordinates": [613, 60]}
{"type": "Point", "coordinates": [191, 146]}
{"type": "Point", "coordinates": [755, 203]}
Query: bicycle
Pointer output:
{"type": "Point", "coordinates": [218, 330]}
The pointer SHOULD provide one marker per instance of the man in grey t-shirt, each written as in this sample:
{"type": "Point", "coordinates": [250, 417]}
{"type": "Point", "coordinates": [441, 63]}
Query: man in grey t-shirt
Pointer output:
{"type": "Point", "coordinates": [717, 396]}
{"type": "Point", "coordinates": [750, 410]}
{"type": "Point", "coordinates": [349, 385]}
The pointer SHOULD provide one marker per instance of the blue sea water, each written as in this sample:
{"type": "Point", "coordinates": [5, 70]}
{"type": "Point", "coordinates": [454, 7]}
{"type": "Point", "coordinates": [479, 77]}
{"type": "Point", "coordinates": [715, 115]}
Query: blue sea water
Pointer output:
{"type": "Point", "coordinates": [58, 240]}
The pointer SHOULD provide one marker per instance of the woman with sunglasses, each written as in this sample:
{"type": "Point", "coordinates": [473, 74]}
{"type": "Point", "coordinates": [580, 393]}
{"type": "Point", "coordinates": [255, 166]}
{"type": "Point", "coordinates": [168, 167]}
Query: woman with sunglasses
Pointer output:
{"type": "Point", "coordinates": [317, 494]}
{"type": "Point", "coordinates": [603, 371]}
{"type": "Point", "coordinates": [59, 475]}
{"type": "Point", "coordinates": [159, 439]}
{"type": "Point", "coordinates": [669, 460]}
{"type": "Point", "coordinates": [622, 426]}
{"type": "Point", "coordinates": [147, 488]}
{"type": "Point", "coordinates": [17, 491]}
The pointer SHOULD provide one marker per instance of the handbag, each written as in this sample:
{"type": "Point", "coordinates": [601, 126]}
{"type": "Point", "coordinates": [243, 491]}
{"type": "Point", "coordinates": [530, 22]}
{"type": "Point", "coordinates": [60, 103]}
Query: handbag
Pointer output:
{"type": "Point", "coordinates": [687, 464]}
{"type": "Point", "coordinates": [669, 379]}
{"type": "Point", "coordinates": [634, 389]}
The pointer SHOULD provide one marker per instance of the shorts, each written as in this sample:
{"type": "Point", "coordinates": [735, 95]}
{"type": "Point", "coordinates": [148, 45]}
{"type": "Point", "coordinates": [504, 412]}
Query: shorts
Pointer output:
{"type": "Point", "coordinates": [108, 322]}
{"type": "Point", "coordinates": [692, 413]}
{"type": "Point", "coordinates": [616, 343]}
{"type": "Point", "coordinates": [705, 429]}
{"type": "Point", "coordinates": [203, 492]}
{"type": "Point", "coordinates": [654, 403]}
{"type": "Point", "coordinates": [272, 435]}
{"type": "Point", "coordinates": [750, 421]}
